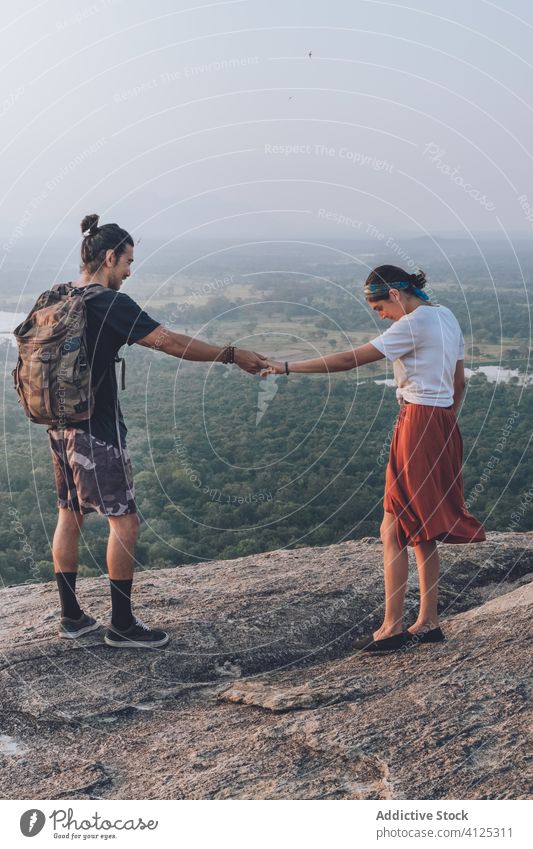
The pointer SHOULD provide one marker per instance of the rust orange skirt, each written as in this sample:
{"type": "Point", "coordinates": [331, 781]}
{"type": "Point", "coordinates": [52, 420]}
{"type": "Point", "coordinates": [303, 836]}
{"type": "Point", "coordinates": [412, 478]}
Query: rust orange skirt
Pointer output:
{"type": "Point", "coordinates": [424, 484]}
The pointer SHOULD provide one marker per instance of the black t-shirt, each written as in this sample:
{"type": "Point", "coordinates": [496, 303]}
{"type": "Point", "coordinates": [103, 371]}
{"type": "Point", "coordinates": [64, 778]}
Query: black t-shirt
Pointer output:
{"type": "Point", "coordinates": [113, 319]}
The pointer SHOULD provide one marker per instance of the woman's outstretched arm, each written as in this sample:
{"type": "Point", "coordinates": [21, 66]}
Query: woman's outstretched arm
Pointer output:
{"type": "Point", "coordinates": [344, 361]}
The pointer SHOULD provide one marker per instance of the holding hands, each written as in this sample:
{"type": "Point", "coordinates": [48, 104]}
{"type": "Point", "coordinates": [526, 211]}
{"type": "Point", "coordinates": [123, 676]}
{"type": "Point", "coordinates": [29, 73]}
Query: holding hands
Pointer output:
{"type": "Point", "coordinates": [255, 363]}
{"type": "Point", "coordinates": [250, 361]}
{"type": "Point", "coordinates": [326, 364]}
{"type": "Point", "coordinates": [273, 367]}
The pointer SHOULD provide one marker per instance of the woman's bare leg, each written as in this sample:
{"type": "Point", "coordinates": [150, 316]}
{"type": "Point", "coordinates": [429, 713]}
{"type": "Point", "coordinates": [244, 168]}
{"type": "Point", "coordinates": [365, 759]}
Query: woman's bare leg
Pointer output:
{"type": "Point", "coordinates": [427, 561]}
{"type": "Point", "coordinates": [396, 567]}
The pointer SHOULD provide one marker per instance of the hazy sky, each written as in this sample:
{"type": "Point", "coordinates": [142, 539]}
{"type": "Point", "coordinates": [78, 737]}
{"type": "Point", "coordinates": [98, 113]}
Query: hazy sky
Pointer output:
{"type": "Point", "coordinates": [180, 119]}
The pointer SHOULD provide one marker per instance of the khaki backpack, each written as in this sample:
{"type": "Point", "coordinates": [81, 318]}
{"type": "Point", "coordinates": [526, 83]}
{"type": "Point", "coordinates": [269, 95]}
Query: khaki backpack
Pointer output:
{"type": "Point", "coordinates": [52, 376]}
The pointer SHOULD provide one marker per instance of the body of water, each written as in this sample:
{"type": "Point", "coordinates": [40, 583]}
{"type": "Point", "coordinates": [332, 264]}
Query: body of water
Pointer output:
{"type": "Point", "coordinates": [499, 374]}
{"type": "Point", "coordinates": [494, 374]}
{"type": "Point", "coordinates": [8, 322]}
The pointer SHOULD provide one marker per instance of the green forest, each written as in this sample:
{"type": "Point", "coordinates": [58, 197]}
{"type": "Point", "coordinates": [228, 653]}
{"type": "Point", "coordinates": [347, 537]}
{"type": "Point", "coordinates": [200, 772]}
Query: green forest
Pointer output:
{"type": "Point", "coordinates": [228, 465]}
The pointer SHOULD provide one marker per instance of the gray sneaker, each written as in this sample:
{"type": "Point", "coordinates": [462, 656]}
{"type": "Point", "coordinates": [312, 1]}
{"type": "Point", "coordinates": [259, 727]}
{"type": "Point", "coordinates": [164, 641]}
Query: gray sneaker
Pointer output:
{"type": "Point", "coordinates": [71, 629]}
{"type": "Point", "coordinates": [137, 636]}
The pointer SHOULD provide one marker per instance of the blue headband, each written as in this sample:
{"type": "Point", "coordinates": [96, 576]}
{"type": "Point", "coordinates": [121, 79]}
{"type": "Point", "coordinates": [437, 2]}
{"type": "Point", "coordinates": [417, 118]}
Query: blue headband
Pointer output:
{"type": "Point", "coordinates": [419, 293]}
{"type": "Point", "coordinates": [373, 290]}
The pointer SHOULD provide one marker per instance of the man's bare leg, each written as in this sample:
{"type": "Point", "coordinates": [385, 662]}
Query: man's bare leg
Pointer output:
{"type": "Point", "coordinates": [66, 540]}
{"type": "Point", "coordinates": [74, 622]}
{"type": "Point", "coordinates": [396, 567]}
{"type": "Point", "coordinates": [126, 630]}
{"type": "Point", "coordinates": [65, 557]}
{"type": "Point", "coordinates": [123, 533]}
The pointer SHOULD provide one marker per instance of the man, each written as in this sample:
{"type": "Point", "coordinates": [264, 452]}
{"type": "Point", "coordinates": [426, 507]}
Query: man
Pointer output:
{"type": "Point", "coordinates": [92, 466]}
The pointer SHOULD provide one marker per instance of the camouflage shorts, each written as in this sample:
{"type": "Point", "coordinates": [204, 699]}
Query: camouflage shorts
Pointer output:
{"type": "Point", "coordinates": [91, 475]}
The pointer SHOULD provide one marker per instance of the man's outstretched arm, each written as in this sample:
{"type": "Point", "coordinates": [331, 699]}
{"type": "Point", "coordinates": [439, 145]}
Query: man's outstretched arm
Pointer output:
{"type": "Point", "coordinates": [186, 348]}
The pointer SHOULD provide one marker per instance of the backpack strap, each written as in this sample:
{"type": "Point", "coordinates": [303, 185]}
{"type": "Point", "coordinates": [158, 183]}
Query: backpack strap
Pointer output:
{"type": "Point", "coordinates": [88, 292]}
{"type": "Point", "coordinates": [122, 361]}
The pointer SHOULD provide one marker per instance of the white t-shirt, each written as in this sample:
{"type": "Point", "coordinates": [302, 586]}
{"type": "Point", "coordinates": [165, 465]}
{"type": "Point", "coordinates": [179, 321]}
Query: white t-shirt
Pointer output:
{"type": "Point", "coordinates": [424, 347]}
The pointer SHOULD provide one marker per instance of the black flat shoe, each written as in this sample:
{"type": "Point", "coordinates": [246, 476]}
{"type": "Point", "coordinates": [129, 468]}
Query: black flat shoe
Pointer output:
{"type": "Point", "coordinates": [435, 635]}
{"type": "Point", "coordinates": [396, 643]}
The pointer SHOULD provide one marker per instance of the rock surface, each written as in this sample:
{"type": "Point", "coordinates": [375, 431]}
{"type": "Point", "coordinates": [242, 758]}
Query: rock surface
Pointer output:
{"type": "Point", "coordinates": [259, 695]}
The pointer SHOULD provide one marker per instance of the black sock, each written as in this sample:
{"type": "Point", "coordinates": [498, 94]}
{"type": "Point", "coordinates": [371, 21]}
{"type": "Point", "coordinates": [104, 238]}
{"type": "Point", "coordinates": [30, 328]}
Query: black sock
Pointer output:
{"type": "Point", "coordinates": [121, 615]}
{"type": "Point", "coordinates": [66, 584]}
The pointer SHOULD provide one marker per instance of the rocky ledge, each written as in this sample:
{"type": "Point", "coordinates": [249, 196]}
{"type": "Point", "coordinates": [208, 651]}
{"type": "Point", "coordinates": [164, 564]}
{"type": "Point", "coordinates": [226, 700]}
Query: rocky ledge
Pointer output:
{"type": "Point", "coordinates": [260, 696]}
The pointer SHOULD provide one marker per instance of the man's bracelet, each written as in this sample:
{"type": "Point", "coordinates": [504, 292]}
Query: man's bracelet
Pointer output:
{"type": "Point", "coordinates": [228, 355]}
{"type": "Point", "coordinates": [287, 367]}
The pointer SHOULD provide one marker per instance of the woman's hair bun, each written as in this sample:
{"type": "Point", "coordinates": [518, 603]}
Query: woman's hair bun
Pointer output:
{"type": "Point", "coordinates": [89, 225]}
{"type": "Point", "coordinates": [418, 279]}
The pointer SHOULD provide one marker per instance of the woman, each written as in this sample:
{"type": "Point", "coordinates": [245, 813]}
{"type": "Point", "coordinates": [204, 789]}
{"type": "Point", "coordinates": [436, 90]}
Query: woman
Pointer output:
{"type": "Point", "coordinates": [424, 500]}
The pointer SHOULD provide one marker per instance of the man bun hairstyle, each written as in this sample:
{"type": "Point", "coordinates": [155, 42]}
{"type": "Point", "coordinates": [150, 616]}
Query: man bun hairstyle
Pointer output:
{"type": "Point", "coordinates": [89, 225]}
{"type": "Point", "coordinates": [98, 240]}
{"type": "Point", "coordinates": [386, 277]}
{"type": "Point", "coordinates": [418, 279]}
